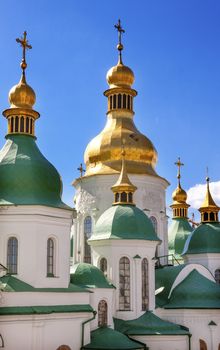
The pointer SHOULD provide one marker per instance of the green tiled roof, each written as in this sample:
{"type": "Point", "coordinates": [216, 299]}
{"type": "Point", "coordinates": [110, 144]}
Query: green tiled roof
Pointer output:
{"type": "Point", "coordinates": [89, 276]}
{"type": "Point", "coordinates": [204, 239]}
{"type": "Point", "coordinates": [195, 292]}
{"type": "Point", "coordinates": [26, 176]}
{"type": "Point", "coordinates": [124, 222]}
{"type": "Point", "coordinates": [9, 283]}
{"type": "Point", "coordinates": [178, 232]}
{"type": "Point", "coordinates": [105, 338]}
{"type": "Point", "coordinates": [29, 310]}
{"type": "Point", "coordinates": [164, 279]}
{"type": "Point", "coordinates": [149, 324]}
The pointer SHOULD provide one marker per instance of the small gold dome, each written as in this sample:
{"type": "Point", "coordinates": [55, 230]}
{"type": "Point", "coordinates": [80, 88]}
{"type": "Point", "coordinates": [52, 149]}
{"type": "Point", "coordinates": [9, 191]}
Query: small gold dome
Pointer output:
{"type": "Point", "coordinates": [120, 76]}
{"type": "Point", "coordinates": [179, 195]}
{"type": "Point", "coordinates": [22, 95]}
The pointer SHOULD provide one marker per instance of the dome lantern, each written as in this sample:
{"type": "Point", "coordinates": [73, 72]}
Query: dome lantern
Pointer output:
{"type": "Point", "coordinates": [209, 210]}
{"type": "Point", "coordinates": [179, 206]}
{"type": "Point", "coordinates": [21, 117]}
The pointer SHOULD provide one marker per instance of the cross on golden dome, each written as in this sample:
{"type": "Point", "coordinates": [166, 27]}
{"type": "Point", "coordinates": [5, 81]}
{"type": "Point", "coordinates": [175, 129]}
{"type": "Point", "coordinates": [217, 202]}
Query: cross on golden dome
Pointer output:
{"type": "Point", "coordinates": [25, 45]}
{"type": "Point", "coordinates": [120, 31]}
{"type": "Point", "coordinates": [179, 164]}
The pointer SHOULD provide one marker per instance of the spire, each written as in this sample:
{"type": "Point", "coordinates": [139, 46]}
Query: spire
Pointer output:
{"type": "Point", "coordinates": [123, 189]}
{"type": "Point", "coordinates": [25, 45]}
{"type": "Point", "coordinates": [179, 206]}
{"type": "Point", "coordinates": [119, 46]}
{"type": "Point", "coordinates": [209, 210]}
{"type": "Point", "coordinates": [21, 117]}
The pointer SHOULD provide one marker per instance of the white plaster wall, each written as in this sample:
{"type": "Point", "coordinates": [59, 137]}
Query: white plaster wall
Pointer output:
{"type": "Point", "coordinates": [211, 261]}
{"type": "Point", "coordinates": [197, 321]}
{"type": "Point", "coordinates": [113, 251]}
{"type": "Point", "coordinates": [94, 196]}
{"type": "Point", "coordinates": [32, 226]}
{"type": "Point", "coordinates": [162, 342]}
{"type": "Point", "coordinates": [44, 332]}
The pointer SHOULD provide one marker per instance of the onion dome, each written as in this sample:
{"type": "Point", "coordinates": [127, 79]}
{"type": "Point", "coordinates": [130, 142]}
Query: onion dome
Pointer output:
{"type": "Point", "coordinates": [120, 76]}
{"type": "Point", "coordinates": [22, 95]}
{"type": "Point", "coordinates": [209, 210]}
{"type": "Point", "coordinates": [179, 205]}
{"type": "Point", "coordinates": [87, 275]}
{"type": "Point", "coordinates": [26, 176]}
{"type": "Point", "coordinates": [103, 153]}
{"type": "Point", "coordinates": [180, 228]}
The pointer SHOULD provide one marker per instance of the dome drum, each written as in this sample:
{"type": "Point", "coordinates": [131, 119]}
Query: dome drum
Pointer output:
{"type": "Point", "coordinates": [22, 121]}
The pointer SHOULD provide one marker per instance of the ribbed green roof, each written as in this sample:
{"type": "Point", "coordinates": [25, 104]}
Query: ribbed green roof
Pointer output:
{"type": "Point", "coordinates": [124, 222]}
{"type": "Point", "coordinates": [30, 310]}
{"type": "Point", "coordinates": [195, 292]}
{"type": "Point", "coordinates": [26, 176]}
{"type": "Point", "coordinates": [164, 279]}
{"type": "Point", "coordinates": [149, 324]}
{"type": "Point", "coordinates": [9, 283]}
{"type": "Point", "coordinates": [178, 232]}
{"type": "Point", "coordinates": [105, 338]}
{"type": "Point", "coordinates": [204, 239]}
{"type": "Point", "coordinates": [87, 275]}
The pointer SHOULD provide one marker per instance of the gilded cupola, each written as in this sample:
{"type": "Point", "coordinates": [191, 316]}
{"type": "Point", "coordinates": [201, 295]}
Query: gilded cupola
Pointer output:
{"type": "Point", "coordinates": [21, 117]}
{"type": "Point", "coordinates": [209, 210]}
{"type": "Point", "coordinates": [179, 205]}
{"type": "Point", "coordinates": [123, 189]}
{"type": "Point", "coordinates": [103, 153]}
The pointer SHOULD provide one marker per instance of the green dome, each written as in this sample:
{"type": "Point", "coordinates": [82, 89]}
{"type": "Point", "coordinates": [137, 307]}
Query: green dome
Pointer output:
{"type": "Point", "coordinates": [90, 276]}
{"type": "Point", "coordinates": [26, 176]}
{"type": "Point", "coordinates": [195, 292]}
{"type": "Point", "coordinates": [178, 232]}
{"type": "Point", "coordinates": [204, 239]}
{"type": "Point", "coordinates": [124, 222]}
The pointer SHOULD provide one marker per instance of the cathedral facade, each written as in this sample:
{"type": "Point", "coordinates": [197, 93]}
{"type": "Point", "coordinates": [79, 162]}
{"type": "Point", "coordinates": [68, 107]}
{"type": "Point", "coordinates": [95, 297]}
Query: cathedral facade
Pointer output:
{"type": "Point", "coordinates": [107, 274]}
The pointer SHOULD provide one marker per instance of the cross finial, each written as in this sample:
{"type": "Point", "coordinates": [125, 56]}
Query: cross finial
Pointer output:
{"type": "Point", "coordinates": [120, 31]}
{"type": "Point", "coordinates": [178, 164]}
{"type": "Point", "coordinates": [25, 45]}
{"type": "Point", "coordinates": [207, 174]}
{"type": "Point", "coordinates": [81, 170]}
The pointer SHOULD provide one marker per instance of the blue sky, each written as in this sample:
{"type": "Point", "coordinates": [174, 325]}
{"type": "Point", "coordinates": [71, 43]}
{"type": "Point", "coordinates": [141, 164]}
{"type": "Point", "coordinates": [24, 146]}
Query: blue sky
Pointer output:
{"type": "Point", "coordinates": [173, 48]}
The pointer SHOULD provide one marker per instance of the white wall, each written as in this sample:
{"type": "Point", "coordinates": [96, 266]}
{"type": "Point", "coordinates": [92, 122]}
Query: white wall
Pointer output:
{"type": "Point", "coordinates": [32, 226]}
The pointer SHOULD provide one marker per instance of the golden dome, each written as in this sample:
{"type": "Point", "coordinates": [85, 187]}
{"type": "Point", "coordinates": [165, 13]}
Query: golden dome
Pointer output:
{"type": "Point", "coordinates": [22, 95]}
{"type": "Point", "coordinates": [120, 76]}
{"type": "Point", "coordinates": [103, 153]}
{"type": "Point", "coordinates": [179, 195]}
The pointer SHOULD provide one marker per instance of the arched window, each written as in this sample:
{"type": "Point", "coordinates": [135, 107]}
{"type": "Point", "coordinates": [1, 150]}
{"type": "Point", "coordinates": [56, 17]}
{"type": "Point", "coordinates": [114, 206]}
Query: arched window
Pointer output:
{"type": "Point", "coordinates": [154, 222]}
{"type": "Point", "coordinates": [114, 101]}
{"type": "Point", "coordinates": [206, 216]}
{"type": "Point", "coordinates": [123, 197]}
{"type": "Point", "coordinates": [129, 102]}
{"type": "Point", "coordinates": [124, 284]}
{"type": "Point", "coordinates": [12, 124]}
{"type": "Point", "coordinates": [102, 313]}
{"type": "Point", "coordinates": [50, 257]}
{"type": "Point", "coordinates": [103, 266]}
{"type": "Point", "coordinates": [12, 255]}
{"type": "Point", "coordinates": [124, 101]}
{"type": "Point", "coordinates": [22, 124]}
{"type": "Point", "coordinates": [16, 124]}
{"type": "Point", "coordinates": [217, 276]}
{"type": "Point", "coordinates": [27, 124]}
{"type": "Point", "coordinates": [212, 216]}
{"type": "Point", "coordinates": [145, 288]}
{"type": "Point", "coordinates": [130, 199]}
{"type": "Point", "coordinates": [119, 100]}
{"type": "Point", "coordinates": [202, 345]}
{"type": "Point", "coordinates": [87, 235]}
{"type": "Point", "coordinates": [110, 102]}
{"type": "Point", "coordinates": [64, 347]}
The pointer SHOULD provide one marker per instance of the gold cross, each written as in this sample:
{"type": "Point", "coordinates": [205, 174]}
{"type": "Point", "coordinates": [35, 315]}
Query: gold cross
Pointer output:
{"type": "Point", "coordinates": [81, 170]}
{"type": "Point", "coordinates": [120, 31]}
{"type": "Point", "coordinates": [25, 45]}
{"type": "Point", "coordinates": [178, 164]}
